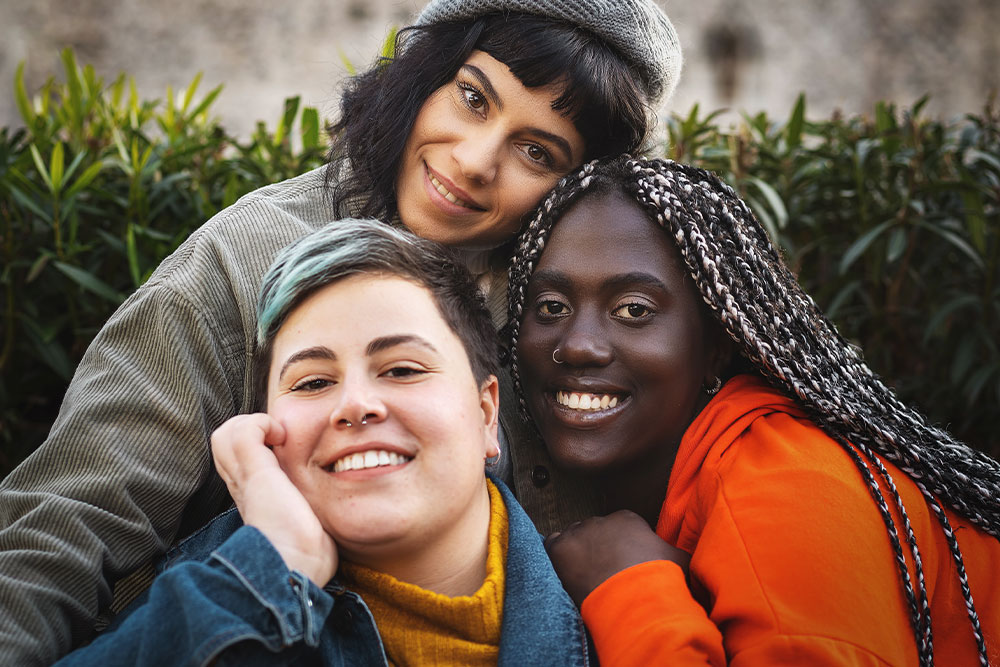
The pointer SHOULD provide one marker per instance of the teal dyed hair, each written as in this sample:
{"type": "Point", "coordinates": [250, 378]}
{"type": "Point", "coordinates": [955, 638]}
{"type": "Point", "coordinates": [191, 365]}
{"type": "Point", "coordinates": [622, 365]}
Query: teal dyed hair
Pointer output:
{"type": "Point", "coordinates": [351, 247]}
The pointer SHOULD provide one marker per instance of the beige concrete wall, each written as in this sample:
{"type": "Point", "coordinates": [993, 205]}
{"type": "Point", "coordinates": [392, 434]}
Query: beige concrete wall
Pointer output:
{"type": "Point", "coordinates": [751, 54]}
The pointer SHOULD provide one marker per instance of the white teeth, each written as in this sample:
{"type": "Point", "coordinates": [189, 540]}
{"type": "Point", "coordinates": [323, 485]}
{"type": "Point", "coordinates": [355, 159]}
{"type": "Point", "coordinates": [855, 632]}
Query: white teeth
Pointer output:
{"type": "Point", "coordinates": [447, 193]}
{"type": "Point", "coordinates": [373, 458]}
{"type": "Point", "coordinates": [584, 401]}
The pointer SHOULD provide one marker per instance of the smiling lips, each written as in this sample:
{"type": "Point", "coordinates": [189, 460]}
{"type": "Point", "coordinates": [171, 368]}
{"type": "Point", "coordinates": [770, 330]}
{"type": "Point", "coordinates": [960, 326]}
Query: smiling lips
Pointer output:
{"type": "Point", "coordinates": [449, 195]}
{"type": "Point", "coordinates": [373, 458]}
{"type": "Point", "coordinates": [584, 401]}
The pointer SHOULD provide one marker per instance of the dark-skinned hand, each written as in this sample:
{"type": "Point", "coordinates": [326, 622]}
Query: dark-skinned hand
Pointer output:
{"type": "Point", "coordinates": [589, 552]}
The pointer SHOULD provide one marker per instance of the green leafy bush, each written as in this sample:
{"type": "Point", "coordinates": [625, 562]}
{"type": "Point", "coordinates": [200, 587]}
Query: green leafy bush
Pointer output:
{"type": "Point", "coordinates": [890, 222]}
{"type": "Point", "coordinates": [95, 190]}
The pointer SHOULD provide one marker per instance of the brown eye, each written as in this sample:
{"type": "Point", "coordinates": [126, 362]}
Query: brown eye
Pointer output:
{"type": "Point", "coordinates": [536, 153]}
{"type": "Point", "coordinates": [632, 311]}
{"type": "Point", "coordinates": [552, 308]}
{"type": "Point", "coordinates": [474, 98]}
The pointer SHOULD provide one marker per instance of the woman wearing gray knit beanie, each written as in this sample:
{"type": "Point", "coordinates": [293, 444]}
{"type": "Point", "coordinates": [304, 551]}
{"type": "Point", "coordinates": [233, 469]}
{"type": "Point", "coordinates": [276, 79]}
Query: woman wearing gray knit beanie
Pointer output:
{"type": "Point", "coordinates": [484, 107]}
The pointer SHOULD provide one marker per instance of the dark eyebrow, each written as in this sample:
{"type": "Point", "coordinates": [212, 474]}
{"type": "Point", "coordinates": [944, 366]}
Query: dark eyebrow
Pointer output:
{"type": "Point", "coordinates": [385, 342]}
{"type": "Point", "coordinates": [637, 277]}
{"type": "Point", "coordinates": [495, 100]}
{"type": "Point", "coordinates": [316, 352]}
{"type": "Point", "coordinates": [487, 85]}
{"type": "Point", "coordinates": [560, 280]}
{"type": "Point", "coordinates": [551, 278]}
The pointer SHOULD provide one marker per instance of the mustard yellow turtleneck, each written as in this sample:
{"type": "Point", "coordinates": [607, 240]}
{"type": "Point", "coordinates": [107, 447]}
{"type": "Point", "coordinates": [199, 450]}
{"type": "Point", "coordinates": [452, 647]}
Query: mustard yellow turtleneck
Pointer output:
{"type": "Point", "coordinates": [420, 627]}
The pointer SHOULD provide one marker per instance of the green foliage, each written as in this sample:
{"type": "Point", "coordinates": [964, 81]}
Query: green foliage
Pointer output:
{"type": "Point", "coordinates": [891, 223]}
{"type": "Point", "coordinates": [95, 190]}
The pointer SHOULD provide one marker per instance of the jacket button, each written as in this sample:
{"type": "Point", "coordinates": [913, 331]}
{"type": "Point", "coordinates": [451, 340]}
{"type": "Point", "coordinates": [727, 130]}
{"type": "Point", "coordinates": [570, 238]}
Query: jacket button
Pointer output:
{"type": "Point", "coordinates": [540, 476]}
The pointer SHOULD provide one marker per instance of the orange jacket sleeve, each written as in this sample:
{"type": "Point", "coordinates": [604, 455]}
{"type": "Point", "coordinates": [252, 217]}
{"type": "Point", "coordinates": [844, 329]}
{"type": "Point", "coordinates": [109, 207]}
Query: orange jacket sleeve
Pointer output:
{"type": "Point", "coordinates": [645, 615]}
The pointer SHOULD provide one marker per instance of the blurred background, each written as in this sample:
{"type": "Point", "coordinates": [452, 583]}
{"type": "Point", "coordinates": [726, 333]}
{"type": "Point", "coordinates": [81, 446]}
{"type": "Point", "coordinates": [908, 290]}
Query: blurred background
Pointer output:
{"type": "Point", "coordinates": [753, 56]}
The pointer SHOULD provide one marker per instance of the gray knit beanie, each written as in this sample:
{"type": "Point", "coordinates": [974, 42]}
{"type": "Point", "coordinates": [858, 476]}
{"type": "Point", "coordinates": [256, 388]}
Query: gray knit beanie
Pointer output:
{"type": "Point", "coordinates": [638, 29]}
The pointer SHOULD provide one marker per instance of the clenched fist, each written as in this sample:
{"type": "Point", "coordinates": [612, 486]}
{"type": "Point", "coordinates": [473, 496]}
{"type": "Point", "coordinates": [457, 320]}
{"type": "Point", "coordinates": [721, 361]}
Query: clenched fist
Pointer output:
{"type": "Point", "coordinates": [589, 552]}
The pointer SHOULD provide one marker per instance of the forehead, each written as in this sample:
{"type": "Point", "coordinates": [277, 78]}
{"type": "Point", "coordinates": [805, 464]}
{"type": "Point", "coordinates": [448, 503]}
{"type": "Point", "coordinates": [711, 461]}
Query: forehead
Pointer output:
{"type": "Point", "coordinates": [608, 233]}
{"type": "Point", "coordinates": [535, 102]}
{"type": "Point", "coordinates": [354, 311]}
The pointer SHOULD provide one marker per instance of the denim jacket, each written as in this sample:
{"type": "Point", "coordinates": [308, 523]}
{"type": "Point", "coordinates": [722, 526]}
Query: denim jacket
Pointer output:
{"type": "Point", "coordinates": [225, 597]}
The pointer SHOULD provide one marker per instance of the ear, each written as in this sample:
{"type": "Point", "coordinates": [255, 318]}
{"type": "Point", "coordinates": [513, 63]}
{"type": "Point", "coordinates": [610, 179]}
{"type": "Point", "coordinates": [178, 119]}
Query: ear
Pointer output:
{"type": "Point", "coordinates": [489, 403]}
{"type": "Point", "coordinates": [719, 355]}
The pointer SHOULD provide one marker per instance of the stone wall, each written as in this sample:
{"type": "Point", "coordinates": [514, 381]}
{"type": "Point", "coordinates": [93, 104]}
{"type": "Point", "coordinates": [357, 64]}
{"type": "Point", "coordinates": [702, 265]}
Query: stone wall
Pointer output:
{"type": "Point", "coordinates": [742, 54]}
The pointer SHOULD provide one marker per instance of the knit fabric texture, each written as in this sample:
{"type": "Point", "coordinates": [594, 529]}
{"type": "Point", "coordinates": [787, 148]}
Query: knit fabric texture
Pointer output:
{"type": "Point", "coordinates": [638, 29]}
{"type": "Point", "coordinates": [421, 627]}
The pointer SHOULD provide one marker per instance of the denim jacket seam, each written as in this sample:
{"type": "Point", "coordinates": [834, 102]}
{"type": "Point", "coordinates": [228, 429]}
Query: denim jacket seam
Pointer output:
{"type": "Point", "coordinates": [285, 620]}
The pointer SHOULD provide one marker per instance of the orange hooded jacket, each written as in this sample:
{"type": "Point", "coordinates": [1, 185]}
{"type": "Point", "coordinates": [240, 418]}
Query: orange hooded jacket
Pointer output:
{"type": "Point", "coordinates": [791, 561]}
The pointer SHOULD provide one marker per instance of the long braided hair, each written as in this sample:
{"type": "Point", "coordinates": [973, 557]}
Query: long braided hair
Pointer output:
{"type": "Point", "coordinates": [780, 331]}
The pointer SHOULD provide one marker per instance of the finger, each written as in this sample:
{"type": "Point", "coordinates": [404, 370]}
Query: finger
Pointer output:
{"type": "Point", "coordinates": [274, 434]}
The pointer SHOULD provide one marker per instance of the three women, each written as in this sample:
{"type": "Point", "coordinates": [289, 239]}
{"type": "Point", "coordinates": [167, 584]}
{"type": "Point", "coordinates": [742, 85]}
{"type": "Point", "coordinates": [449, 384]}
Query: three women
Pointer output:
{"type": "Point", "coordinates": [485, 107]}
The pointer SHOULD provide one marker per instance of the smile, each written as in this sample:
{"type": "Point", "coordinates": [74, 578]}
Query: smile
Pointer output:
{"type": "Point", "coordinates": [373, 458]}
{"type": "Point", "coordinates": [449, 195]}
{"type": "Point", "coordinates": [584, 401]}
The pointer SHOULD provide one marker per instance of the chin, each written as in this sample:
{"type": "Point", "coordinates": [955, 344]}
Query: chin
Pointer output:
{"type": "Point", "coordinates": [573, 459]}
{"type": "Point", "coordinates": [357, 540]}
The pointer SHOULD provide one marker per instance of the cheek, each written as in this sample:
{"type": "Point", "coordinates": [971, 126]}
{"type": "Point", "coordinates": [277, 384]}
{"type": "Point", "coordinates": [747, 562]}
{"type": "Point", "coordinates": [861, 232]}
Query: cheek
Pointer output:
{"type": "Point", "coordinates": [304, 425]}
{"type": "Point", "coordinates": [534, 347]}
{"type": "Point", "coordinates": [522, 197]}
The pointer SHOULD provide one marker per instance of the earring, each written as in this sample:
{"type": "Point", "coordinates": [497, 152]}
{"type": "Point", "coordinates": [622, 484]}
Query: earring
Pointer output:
{"type": "Point", "coordinates": [493, 460]}
{"type": "Point", "coordinates": [554, 357]}
{"type": "Point", "coordinates": [716, 386]}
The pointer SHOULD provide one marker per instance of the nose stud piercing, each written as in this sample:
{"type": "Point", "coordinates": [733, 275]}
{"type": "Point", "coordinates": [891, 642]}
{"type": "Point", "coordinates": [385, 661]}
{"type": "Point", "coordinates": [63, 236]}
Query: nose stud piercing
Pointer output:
{"type": "Point", "coordinates": [554, 357]}
{"type": "Point", "coordinates": [364, 420]}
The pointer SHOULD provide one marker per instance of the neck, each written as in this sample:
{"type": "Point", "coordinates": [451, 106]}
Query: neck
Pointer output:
{"type": "Point", "coordinates": [454, 564]}
{"type": "Point", "coordinates": [640, 489]}
{"type": "Point", "coordinates": [641, 486]}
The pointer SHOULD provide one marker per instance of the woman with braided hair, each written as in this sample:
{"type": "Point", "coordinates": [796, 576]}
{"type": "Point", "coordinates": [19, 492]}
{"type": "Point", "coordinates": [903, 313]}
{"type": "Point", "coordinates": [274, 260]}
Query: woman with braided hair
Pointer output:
{"type": "Point", "coordinates": [802, 513]}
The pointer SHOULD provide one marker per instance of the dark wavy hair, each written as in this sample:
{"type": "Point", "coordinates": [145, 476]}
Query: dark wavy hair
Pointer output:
{"type": "Point", "coordinates": [379, 107]}
{"type": "Point", "coordinates": [782, 336]}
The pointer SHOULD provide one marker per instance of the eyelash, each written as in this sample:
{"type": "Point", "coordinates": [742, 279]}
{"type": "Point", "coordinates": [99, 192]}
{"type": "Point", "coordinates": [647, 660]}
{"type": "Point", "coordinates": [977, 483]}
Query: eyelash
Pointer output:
{"type": "Point", "coordinates": [407, 372]}
{"type": "Point", "coordinates": [542, 305]}
{"type": "Point", "coordinates": [311, 384]}
{"type": "Point", "coordinates": [468, 90]}
{"type": "Point", "coordinates": [648, 311]}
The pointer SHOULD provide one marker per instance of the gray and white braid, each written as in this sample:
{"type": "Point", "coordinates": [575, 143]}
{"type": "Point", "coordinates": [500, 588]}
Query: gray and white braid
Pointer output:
{"type": "Point", "coordinates": [790, 343]}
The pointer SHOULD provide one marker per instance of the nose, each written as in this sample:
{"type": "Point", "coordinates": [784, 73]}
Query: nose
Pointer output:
{"type": "Point", "coordinates": [584, 344]}
{"type": "Point", "coordinates": [477, 155]}
{"type": "Point", "coordinates": [358, 404]}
